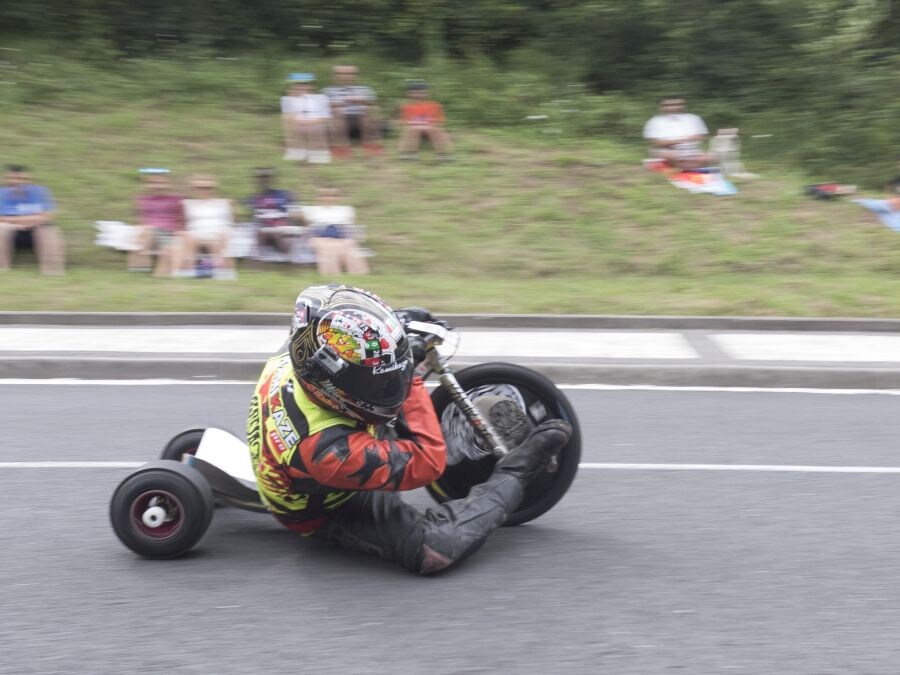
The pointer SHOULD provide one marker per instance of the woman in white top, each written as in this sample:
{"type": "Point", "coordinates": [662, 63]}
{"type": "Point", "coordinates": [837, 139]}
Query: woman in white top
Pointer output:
{"type": "Point", "coordinates": [333, 240]}
{"type": "Point", "coordinates": [305, 116]}
{"type": "Point", "coordinates": [208, 222]}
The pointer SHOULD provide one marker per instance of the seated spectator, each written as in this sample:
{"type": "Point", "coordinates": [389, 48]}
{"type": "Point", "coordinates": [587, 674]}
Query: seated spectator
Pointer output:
{"type": "Point", "coordinates": [26, 215]}
{"type": "Point", "coordinates": [423, 118]}
{"type": "Point", "coordinates": [208, 222]}
{"type": "Point", "coordinates": [272, 208]}
{"type": "Point", "coordinates": [354, 113]}
{"type": "Point", "coordinates": [677, 136]}
{"type": "Point", "coordinates": [333, 235]}
{"type": "Point", "coordinates": [305, 116]}
{"type": "Point", "coordinates": [160, 217]}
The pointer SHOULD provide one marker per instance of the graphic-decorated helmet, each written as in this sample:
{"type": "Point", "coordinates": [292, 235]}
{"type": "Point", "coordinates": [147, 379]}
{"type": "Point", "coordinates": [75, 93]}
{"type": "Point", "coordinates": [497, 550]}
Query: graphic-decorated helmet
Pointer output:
{"type": "Point", "coordinates": [350, 352]}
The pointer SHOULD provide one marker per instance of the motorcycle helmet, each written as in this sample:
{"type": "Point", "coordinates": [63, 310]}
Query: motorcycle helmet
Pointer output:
{"type": "Point", "coordinates": [350, 352]}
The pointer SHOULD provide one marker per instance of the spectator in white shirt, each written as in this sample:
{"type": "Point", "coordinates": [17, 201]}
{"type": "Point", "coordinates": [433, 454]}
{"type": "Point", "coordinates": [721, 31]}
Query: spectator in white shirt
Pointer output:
{"type": "Point", "coordinates": [333, 236]}
{"type": "Point", "coordinates": [305, 117]}
{"type": "Point", "coordinates": [208, 223]}
{"type": "Point", "coordinates": [677, 136]}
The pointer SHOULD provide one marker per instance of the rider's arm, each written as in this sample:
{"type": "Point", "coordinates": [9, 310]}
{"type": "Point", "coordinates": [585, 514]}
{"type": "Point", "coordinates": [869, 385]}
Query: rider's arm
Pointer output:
{"type": "Point", "coordinates": [348, 459]}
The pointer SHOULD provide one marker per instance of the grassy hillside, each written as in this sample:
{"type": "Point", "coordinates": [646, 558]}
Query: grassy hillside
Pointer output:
{"type": "Point", "coordinates": [525, 220]}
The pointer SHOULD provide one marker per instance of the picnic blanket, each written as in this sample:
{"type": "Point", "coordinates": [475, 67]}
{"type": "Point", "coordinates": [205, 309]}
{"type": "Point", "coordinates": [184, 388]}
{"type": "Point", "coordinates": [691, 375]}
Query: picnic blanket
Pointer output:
{"type": "Point", "coordinates": [124, 237]}
{"type": "Point", "coordinates": [882, 209]}
{"type": "Point", "coordinates": [708, 181]}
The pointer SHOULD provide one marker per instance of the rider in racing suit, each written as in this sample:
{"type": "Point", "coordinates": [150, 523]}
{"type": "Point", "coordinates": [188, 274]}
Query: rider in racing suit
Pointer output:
{"type": "Point", "coordinates": [338, 424]}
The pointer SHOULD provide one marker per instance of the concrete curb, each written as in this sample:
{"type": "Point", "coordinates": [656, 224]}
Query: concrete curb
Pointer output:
{"type": "Point", "coordinates": [155, 319]}
{"type": "Point", "coordinates": [520, 321]}
{"type": "Point", "coordinates": [660, 375]}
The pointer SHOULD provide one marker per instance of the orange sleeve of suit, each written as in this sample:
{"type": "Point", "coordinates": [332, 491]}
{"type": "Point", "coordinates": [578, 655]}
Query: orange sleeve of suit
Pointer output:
{"type": "Point", "coordinates": [349, 459]}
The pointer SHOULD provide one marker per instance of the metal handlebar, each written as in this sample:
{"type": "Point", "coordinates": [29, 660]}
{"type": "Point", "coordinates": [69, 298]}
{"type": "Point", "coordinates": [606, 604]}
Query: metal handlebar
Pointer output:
{"type": "Point", "coordinates": [479, 424]}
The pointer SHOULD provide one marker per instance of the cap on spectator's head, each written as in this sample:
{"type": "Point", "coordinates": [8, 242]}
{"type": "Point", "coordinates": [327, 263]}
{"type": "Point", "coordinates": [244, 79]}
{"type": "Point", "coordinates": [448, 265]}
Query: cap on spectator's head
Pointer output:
{"type": "Point", "coordinates": [152, 171]}
{"type": "Point", "coordinates": [301, 78]}
{"type": "Point", "coordinates": [16, 168]}
{"type": "Point", "coordinates": [417, 85]}
{"type": "Point", "coordinates": [264, 172]}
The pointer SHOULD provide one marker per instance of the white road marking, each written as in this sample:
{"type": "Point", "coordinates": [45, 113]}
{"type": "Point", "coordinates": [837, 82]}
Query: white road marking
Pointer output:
{"type": "Point", "coordinates": [71, 465]}
{"type": "Point", "coordinates": [809, 347]}
{"type": "Point", "coordinates": [586, 344]}
{"type": "Point", "coordinates": [789, 468]}
{"type": "Point", "coordinates": [143, 340]}
{"type": "Point", "coordinates": [158, 382]}
{"type": "Point", "coordinates": [738, 390]}
{"type": "Point", "coordinates": [161, 382]}
{"type": "Point", "coordinates": [741, 467]}
{"type": "Point", "coordinates": [265, 341]}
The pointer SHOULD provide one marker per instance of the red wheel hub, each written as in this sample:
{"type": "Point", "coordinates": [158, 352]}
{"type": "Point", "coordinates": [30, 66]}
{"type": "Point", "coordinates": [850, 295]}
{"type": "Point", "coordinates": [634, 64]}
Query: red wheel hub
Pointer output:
{"type": "Point", "coordinates": [162, 499]}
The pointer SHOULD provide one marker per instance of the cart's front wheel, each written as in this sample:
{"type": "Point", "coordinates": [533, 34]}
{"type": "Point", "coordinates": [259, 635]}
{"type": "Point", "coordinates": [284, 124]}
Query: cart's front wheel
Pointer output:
{"type": "Point", "coordinates": [540, 400]}
{"type": "Point", "coordinates": [162, 509]}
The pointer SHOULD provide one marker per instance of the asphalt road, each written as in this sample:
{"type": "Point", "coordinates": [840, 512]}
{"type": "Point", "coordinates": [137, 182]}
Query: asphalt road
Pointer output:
{"type": "Point", "coordinates": [634, 572]}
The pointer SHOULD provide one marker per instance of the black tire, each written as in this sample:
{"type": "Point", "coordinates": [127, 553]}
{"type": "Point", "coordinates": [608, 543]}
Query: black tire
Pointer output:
{"type": "Point", "coordinates": [544, 492]}
{"type": "Point", "coordinates": [180, 490]}
{"type": "Point", "coordinates": [185, 443]}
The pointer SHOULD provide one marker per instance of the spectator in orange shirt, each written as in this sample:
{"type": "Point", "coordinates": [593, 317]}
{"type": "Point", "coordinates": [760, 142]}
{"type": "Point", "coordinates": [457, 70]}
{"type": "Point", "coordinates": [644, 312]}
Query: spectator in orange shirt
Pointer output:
{"type": "Point", "coordinates": [422, 117]}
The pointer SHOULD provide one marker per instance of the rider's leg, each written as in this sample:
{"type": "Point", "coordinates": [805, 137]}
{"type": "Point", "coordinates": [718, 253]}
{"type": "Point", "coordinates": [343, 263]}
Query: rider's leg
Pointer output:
{"type": "Point", "coordinates": [381, 523]}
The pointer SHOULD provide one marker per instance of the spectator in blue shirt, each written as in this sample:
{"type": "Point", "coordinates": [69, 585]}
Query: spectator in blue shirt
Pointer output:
{"type": "Point", "coordinates": [272, 209]}
{"type": "Point", "coordinates": [26, 214]}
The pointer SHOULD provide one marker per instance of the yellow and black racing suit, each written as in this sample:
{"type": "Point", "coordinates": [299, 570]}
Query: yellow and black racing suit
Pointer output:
{"type": "Point", "coordinates": [322, 473]}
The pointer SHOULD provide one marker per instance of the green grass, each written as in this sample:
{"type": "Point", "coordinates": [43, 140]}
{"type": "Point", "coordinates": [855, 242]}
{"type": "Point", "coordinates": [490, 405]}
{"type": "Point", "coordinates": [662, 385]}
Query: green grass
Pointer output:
{"type": "Point", "coordinates": [523, 221]}
{"type": "Point", "coordinates": [273, 291]}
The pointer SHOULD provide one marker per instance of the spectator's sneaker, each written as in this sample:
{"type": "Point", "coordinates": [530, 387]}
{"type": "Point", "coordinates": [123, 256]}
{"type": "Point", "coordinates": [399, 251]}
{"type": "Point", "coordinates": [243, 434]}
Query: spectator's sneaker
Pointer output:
{"type": "Point", "coordinates": [138, 269]}
{"type": "Point", "coordinates": [319, 157]}
{"type": "Point", "coordinates": [294, 155]}
{"type": "Point", "coordinates": [185, 274]}
{"type": "Point", "coordinates": [506, 417]}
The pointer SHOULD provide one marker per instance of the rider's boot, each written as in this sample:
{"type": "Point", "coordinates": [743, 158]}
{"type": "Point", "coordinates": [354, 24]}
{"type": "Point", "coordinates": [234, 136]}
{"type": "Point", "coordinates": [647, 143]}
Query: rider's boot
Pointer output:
{"type": "Point", "coordinates": [506, 417]}
{"type": "Point", "coordinates": [528, 459]}
{"type": "Point", "coordinates": [525, 460]}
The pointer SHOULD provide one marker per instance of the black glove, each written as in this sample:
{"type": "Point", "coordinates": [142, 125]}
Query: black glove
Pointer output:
{"type": "Point", "coordinates": [417, 349]}
{"type": "Point", "coordinates": [408, 314]}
